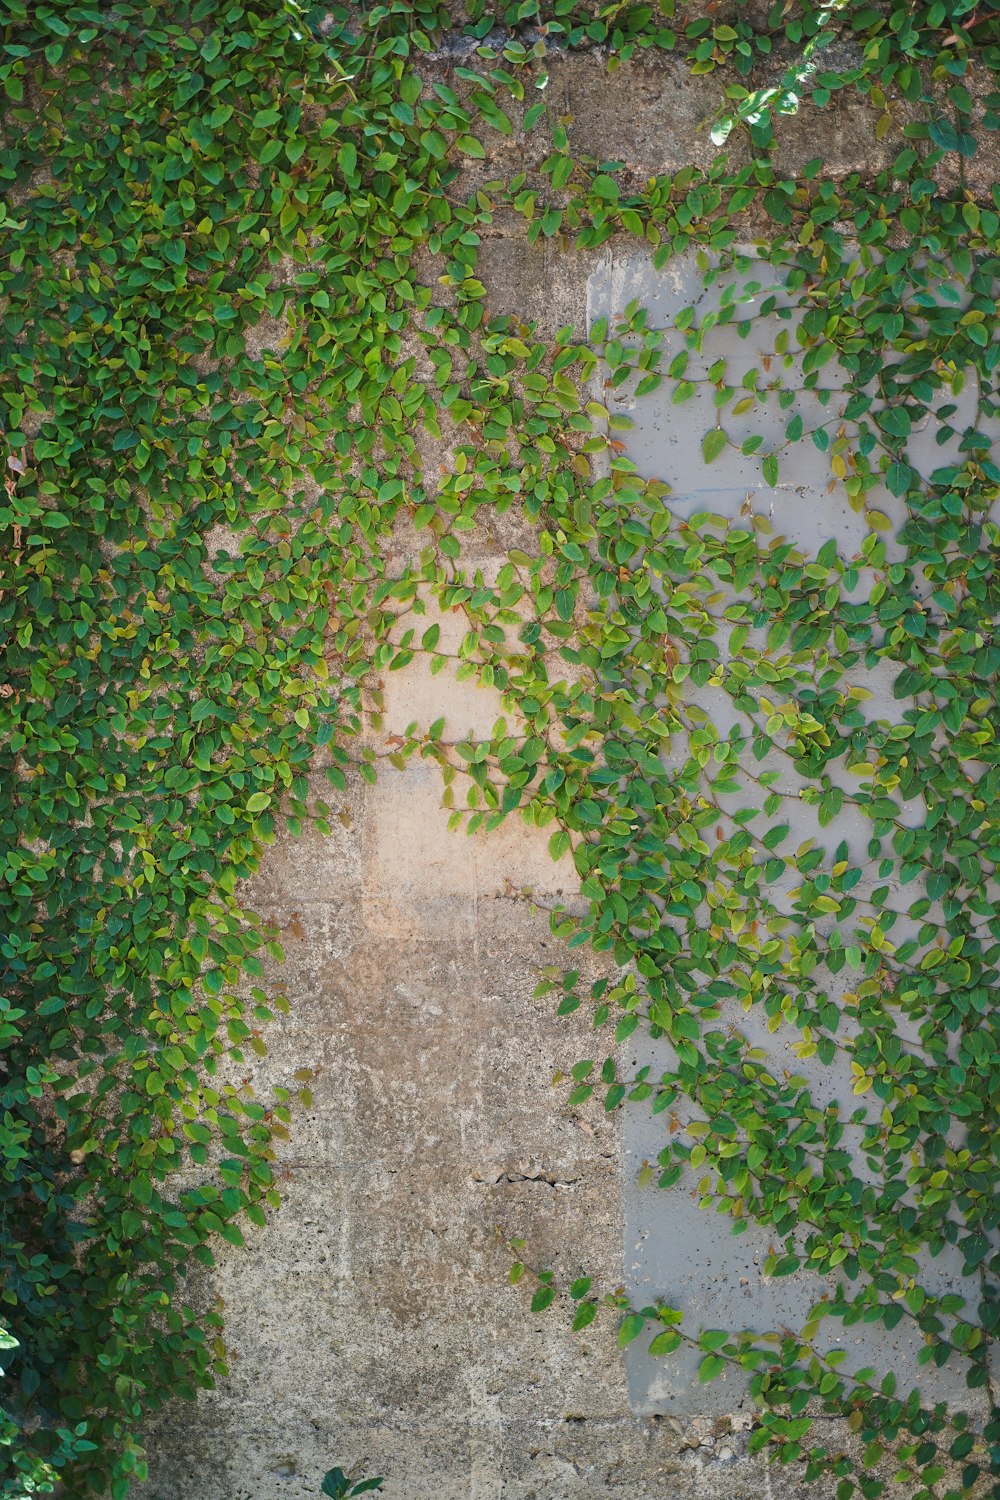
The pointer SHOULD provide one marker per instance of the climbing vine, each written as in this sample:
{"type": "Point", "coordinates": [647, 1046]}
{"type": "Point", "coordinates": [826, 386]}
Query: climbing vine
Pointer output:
{"type": "Point", "coordinates": [240, 293]}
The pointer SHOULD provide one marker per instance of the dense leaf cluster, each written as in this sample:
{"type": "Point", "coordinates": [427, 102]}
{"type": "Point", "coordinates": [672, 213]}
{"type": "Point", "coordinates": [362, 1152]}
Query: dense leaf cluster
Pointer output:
{"type": "Point", "coordinates": [219, 360]}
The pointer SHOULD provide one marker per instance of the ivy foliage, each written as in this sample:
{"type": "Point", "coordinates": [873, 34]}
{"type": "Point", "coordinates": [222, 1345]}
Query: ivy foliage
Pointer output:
{"type": "Point", "coordinates": [221, 362]}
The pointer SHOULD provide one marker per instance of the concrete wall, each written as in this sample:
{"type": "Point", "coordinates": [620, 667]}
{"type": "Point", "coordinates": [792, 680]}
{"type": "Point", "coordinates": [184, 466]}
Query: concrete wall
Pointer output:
{"type": "Point", "coordinates": [371, 1321]}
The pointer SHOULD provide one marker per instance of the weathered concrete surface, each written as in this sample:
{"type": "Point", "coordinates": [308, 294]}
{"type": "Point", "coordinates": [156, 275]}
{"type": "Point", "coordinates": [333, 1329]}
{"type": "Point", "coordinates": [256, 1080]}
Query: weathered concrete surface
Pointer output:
{"type": "Point", "coordinates": [651, 116]}
{"type": "Point", "coordinates": [371, 1322]}
{"type": "Point", "coordinates": [371, 1319]}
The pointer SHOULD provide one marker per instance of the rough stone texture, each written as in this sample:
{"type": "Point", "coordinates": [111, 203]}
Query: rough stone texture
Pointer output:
{"type": "Point", "coordinates": [371, 1318]}
{"type": "Point", "coordinates": [371, 1323]}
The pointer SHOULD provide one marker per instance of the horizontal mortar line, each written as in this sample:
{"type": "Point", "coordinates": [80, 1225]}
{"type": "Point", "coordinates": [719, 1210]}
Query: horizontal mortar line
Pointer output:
{"type": "Point", "coordinates": [485, 1424]}
{"type": "Point", "coordinates": [323, 1164]}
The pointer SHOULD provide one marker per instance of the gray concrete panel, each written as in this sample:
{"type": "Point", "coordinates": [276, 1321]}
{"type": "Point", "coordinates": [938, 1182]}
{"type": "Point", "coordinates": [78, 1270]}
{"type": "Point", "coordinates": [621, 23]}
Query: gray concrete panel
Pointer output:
{"type": "Point", "coordinates": [674, 1250]}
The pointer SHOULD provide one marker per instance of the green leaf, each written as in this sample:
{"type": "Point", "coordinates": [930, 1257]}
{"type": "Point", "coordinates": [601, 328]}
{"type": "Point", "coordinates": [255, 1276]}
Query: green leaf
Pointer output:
{"type": "Point", "coordinates": [605, 187]}
{"type": "Point", "coordinates": [713, 443]}
{"type": "Point", "coordinates": [899, 477]}
{"type": "Point", "coordinates": [630, 1329]}
{"type": "Point", "coordinates": [559, 844]}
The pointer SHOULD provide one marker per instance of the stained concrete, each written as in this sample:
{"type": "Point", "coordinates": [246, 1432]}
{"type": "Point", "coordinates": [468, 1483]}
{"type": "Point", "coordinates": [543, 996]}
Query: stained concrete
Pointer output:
{"type": "Point", "coordinates": [370, 1322]}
